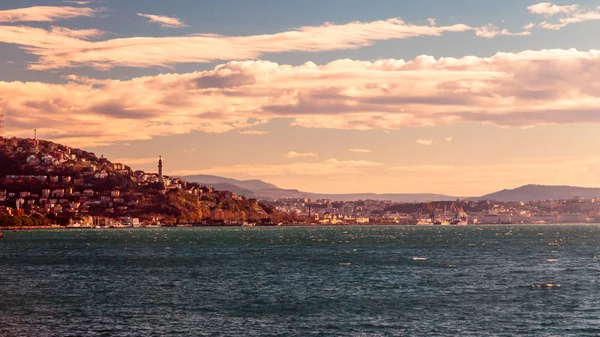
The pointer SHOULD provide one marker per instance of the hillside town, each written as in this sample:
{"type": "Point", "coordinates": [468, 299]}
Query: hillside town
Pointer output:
{"type": "Point", "coordinates": [575, 210]}
{"type": "Point", "coordinates": [43, 183]}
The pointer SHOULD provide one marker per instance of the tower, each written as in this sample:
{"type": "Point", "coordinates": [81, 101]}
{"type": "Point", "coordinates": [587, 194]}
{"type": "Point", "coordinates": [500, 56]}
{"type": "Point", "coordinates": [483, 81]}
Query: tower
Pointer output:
{"type": "Point", "coordinates": [1, 123]}
{"type": "Point", "coordinates": [160, 173]}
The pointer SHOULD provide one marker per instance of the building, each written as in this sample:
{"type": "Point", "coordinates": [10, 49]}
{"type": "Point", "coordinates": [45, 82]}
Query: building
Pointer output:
{"type": "Point", "coordinates": [161, 179]}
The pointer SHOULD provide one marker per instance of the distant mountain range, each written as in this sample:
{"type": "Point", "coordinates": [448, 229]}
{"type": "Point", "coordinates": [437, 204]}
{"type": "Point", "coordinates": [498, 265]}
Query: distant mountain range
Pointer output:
{"type": "Point", "coordinates": [259, 189]}
{"type": "Point", "coordinates": [542, 192]}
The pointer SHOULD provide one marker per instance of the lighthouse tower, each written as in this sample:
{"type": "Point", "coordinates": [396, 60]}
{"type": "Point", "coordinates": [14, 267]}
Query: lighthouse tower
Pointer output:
{"type": "Point", "coordinates": [160, 173]}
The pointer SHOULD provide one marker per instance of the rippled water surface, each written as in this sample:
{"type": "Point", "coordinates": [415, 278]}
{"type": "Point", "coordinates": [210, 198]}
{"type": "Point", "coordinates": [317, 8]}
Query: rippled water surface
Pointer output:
{"type": "Point", "coordinates": [301, 281]}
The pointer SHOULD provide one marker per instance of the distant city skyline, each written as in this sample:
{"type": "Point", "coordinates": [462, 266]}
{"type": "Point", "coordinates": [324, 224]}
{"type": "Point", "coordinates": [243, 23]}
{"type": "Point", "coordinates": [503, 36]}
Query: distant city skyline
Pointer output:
{"type": "Point", "coordinates": [344, 96]}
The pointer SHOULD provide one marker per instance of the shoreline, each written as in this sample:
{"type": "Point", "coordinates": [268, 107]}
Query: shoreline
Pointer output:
{"type": "Point", "coordinates": [56, 227]}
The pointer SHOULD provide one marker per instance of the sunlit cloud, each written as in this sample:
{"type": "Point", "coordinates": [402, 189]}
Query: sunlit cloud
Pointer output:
{"type": "Point", "coordinates": [448, 139]}
{"type": "Point", "coordinates": [294, 154]}
{"type": "Point", "coordinates": [77, 2]}
{"type": "Point", "coordinates": [566, 15]}
{"type": "Point", "coordinates": [76, 33]}
{"type": "Point", "coordinates": [167, 51]}
{"type": "Point", "coordinates": [529, 26]}
{"type": "Point", "coordinates": [548, 9]}
{"type": "Point", "coordinates": [327, 167]}
{"type": "Point", "coordinates": [491, 31]}
{"type": "Point", "coordinates": [253, 132]}
{"type": "Point", "coordinates": [508, 89]}
{"type": "Point", "coordinates": [360, 150]}
{"type": "Point", "coordinates": [45, 13]}
{"type": "Point", "coordinates": [426, 142]}
{"type": "Point", "coordinates": [164, 21]}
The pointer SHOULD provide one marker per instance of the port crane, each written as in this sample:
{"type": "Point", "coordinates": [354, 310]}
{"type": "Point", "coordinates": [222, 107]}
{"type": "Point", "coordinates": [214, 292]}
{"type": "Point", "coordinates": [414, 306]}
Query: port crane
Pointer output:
{"type": "Point", "coordinates": [460, 216]}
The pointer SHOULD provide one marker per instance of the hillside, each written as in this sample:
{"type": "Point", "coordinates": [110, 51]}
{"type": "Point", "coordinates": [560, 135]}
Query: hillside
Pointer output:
{"type": "Point", "coordinates": [44, 178]}
{"type": "Point", "coordinates": [541, 192]}
{"type": "Point", "coordinates": [252, 185]}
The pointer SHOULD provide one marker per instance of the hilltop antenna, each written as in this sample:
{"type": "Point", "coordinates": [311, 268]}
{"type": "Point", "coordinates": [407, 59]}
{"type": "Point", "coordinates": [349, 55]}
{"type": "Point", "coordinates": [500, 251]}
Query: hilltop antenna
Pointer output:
{"type": "Point", "coordinates": [35, 140]}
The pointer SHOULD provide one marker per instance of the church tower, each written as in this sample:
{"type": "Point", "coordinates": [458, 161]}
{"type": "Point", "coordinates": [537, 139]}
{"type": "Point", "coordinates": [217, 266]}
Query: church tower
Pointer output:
{"type": "Point", "coordinates": [160, 173]}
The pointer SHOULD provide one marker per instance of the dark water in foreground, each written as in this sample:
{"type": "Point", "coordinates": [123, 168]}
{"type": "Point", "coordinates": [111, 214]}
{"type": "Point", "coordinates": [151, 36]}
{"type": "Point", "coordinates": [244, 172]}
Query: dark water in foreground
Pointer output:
{"type": "Point", "coordinates": [340, 281]}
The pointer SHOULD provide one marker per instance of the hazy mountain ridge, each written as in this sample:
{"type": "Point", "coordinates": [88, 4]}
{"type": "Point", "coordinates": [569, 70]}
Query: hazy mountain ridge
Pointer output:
{"type": "Point", "coordinates": [256, 188]}
{"type": "Point", "coordinates": [542, 192]}
{"type": "Point", "coordinates": [259, 189]}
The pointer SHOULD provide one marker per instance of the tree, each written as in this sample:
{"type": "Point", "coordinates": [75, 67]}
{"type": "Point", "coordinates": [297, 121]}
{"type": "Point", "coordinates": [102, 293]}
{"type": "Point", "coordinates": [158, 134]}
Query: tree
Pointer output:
{"type": "Point", "coordinates": [10, 221]}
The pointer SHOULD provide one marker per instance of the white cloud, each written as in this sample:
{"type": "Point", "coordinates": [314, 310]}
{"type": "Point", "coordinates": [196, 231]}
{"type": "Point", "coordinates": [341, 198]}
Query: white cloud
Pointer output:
{"type": "Point", "coordinates": [189, 150]}
{"type": "Point", "coordinates": [426, 142]}
{"type": "Point", "coordinates": [529, 26]}
{"type": "Point", "coordinates": [164, 21]}
{"type": "Point", "coordinates": [448, 139]}
{"type": "Point", "coordinates": [431, 21]}
{"type": "Point", "coordinates": [566, 15]}
{"type": "Point", "coordinates": [491, 31]}
{"type": "Point", "coordinates": [45, 13]}
{"type": "Point", "coordinates": [294, 154]}
{"type": "Point", "coordinates": [548, 9]}
{"type": "Point", "coordinates": [56, 53]}
{"type": "Point", "coordinates": [253, 132]}
{"type": "Point", "coordinates": [360, 150]}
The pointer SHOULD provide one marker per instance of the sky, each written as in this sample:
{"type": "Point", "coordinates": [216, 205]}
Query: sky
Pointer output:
{"type": "Point", "coordinates": [460, 97]}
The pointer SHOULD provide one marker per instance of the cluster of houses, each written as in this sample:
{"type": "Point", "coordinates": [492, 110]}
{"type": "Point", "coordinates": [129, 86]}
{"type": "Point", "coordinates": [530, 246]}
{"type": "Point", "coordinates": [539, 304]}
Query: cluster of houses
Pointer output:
{"type": "Point", "coordinates": [74, 182]}
{"type": "Point", "coordinates": [574, 210]}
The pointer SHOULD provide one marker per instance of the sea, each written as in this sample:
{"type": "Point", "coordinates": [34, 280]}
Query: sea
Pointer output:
{"type": "Point", "coordinates": [302, 281]}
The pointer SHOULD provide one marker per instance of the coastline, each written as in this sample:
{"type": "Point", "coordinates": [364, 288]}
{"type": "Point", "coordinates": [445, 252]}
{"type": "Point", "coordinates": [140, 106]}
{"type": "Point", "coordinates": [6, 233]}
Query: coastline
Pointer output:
{"type": "Point", "coordinates": [57, 227]}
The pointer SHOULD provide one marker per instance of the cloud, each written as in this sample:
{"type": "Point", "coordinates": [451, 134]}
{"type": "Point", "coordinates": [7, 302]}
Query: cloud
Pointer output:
{"type": "Point", "coordinates": [548, 9]}
{"type": "Point", "coordinates": [431, 21]}
{"type": "Point", "coordinates": [189, 150]}
{"type": "Point", "coordinates": [166, 51]}
{"type": "Point", "coordinates": [327, 167]}
{"type": "Point", "coordinates": [508, 89]}
{"type": "Point", "coordinates": [360, 150]}
{"type": "Point", "coordinates": [491, 31]}
{"type": "Point", "coordinates": [426, 142]}
{"type": "Point", "coordinates": [253, 132]}
{"type": "Point", "coordinates": [135, 161]}
{"type": "Point", "coordinates": [75, 33]}
{"type": "Point", "coordinates": [164, 21]}
{"type": "Point", "coordinates": [77, 2]}
{"type": "Point", "coordinates": [294, 154]}
{"type": "Point", "coordinates": [45, 13]}
{"type": "Point", "coordinates": [39, 39]}
{"type": "Point", "coordinates": [448, 139]}
{"type": "Point", "coordinates": [567, 15]}
{"type": "Point", "coordinates": [529, 26]}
